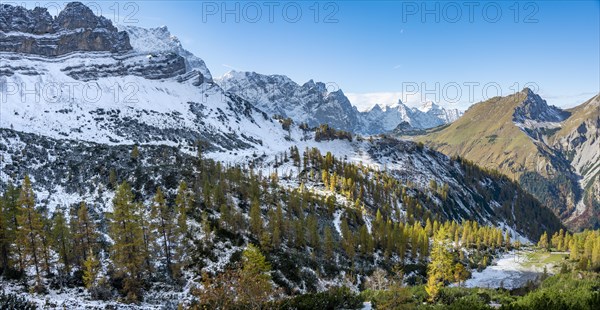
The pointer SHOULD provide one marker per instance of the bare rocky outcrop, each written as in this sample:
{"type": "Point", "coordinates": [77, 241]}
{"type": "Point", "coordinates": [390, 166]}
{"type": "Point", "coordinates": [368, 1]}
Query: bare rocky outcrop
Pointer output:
{"type": "Point", "coordinates": [75, 29]}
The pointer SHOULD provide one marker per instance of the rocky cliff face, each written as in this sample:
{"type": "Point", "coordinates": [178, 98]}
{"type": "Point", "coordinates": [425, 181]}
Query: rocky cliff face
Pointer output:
{"type": "Point", "coordinates": [158, 66]}
{"type": "Point", "coordinates": [75, 29]}
{"type": "Point", "coordinates": [579, 140]}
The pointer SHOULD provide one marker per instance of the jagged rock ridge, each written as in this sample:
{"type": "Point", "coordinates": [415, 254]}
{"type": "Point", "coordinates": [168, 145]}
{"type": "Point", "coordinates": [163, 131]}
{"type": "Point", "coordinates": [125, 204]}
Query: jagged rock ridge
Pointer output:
{"type": "Point", "coordinates": [314, 104]}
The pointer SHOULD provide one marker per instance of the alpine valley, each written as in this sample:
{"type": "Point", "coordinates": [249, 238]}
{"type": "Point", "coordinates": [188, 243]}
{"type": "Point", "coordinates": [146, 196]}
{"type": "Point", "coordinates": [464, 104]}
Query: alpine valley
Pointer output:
{"type": "Point", "coordinates": [130, 177]}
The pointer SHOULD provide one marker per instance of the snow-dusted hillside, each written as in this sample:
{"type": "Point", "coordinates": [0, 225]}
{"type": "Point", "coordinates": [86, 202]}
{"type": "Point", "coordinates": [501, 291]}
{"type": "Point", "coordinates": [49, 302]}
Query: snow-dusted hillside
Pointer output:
{"type": "Point", "coordinates": [135, 105]}
{"type": "Point", "coordinates": [52, 162]}
{"type": "Point", "coordinates": [151, 94]}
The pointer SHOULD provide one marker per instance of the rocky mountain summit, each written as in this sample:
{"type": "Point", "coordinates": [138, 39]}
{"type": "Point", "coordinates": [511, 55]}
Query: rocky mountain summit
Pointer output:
{"type": "Point", "coordinates": [75, 29]}
{"type": "Point", "coordinates": [310, 102]}
{"type": "Point", "coordinates": [534, 109]}
{"type": "Point", "coordinates": [447, 115]}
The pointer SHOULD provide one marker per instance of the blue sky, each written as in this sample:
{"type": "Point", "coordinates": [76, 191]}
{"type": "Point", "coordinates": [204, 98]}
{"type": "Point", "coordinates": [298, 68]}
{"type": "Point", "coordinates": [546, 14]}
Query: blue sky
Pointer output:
{"type": "Point", "coordinates": [379, 52]}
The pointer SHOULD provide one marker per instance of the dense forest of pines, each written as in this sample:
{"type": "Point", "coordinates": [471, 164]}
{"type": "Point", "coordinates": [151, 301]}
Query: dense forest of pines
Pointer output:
{"type": "Point", "coordinates": [122, 253]}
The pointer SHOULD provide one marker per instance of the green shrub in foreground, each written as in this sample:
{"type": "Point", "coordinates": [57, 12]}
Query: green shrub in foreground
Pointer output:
{"type": "Point", "coordinates": [566, 291]}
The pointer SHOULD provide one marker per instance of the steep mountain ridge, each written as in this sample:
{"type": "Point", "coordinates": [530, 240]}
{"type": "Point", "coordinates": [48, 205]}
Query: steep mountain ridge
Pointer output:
{"type": "Point", "coordinates": [535, 109]}
{"type": "Point", "coordinates": [519, 135]}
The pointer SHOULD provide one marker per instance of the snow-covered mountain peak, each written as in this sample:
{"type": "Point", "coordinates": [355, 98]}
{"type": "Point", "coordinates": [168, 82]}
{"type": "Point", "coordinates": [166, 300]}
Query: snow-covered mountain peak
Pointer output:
{"type": "Point", "coordinates": [388, 107]}
{"type": "Point", "coordinates": [231, 74]}
{"type": "Point", "coordinates": [399, 103]}
{"type": "Point", "coordinates": [397, 106]}
{"type": "Point", "coordinates": [151, 39]}
{"type": "Point", "coordinates": [311, 84]}
{"type": "Point", "coordinates": [246, 78]}
{"type": "Point", "coordinates": [160, 39]}
{"type": "Point", "coordinates": [428, 106]}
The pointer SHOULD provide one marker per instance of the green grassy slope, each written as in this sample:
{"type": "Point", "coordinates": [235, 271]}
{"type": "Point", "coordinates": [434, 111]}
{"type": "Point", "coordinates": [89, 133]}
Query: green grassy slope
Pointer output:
{"type": "Point", "coordinates": [487, 135]}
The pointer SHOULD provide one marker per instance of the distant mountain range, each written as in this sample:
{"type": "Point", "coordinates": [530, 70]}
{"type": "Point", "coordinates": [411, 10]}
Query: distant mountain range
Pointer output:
{"type": "Point", "coordinates": [553, 153]}
{"type": "Point", "coordinates": [313, 104]}
{"type": "Point", "coordinates": [387, 118]}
